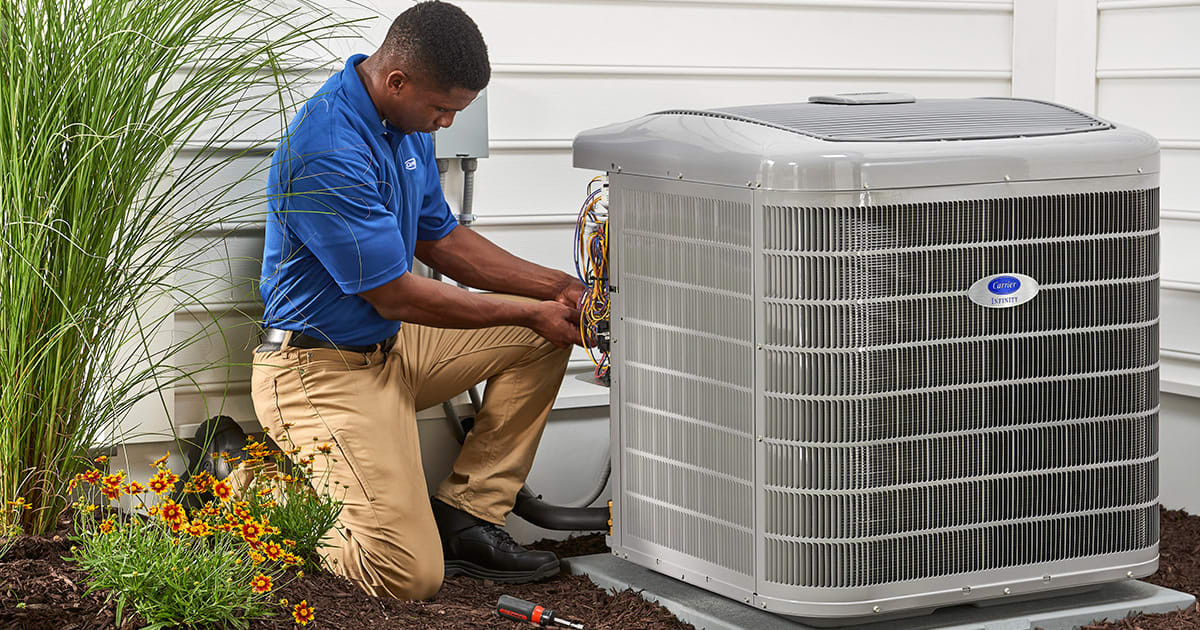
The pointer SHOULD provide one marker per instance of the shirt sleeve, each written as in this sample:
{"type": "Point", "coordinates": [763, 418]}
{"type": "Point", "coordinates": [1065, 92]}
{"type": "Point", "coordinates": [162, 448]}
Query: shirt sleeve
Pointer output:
{"type": "Point", "coordinates": [334, 208]}
{"type": "Point", "coordinates": [435, 219]}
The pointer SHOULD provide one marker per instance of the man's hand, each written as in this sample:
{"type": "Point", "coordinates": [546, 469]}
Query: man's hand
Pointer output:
{"type": "Point", "coordinates": [557, 323]}
{"type": "Point", "coordinates": [570, 293]}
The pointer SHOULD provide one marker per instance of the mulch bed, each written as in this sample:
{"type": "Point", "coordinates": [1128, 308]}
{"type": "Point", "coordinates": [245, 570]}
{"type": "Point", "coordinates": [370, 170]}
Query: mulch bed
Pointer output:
{"type": "Point", "coordinates": [39, 590]}
{"type": "Point", "coordinates": [1178, 569]}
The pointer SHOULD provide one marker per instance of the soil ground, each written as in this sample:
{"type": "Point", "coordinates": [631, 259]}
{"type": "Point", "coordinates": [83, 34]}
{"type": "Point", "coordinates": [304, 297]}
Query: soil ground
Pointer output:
{"type": "Point", "coordinates": [40, 591]}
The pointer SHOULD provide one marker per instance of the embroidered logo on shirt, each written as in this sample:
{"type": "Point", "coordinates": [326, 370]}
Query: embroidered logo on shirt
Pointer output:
{"type": "Point", "coordinates": [410, 164]}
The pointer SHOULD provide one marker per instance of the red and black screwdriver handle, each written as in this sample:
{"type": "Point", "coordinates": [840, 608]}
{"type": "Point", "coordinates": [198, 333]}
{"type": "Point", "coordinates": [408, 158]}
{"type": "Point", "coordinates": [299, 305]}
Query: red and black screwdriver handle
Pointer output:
{"type": "Point", "coordinates": [519, 609]}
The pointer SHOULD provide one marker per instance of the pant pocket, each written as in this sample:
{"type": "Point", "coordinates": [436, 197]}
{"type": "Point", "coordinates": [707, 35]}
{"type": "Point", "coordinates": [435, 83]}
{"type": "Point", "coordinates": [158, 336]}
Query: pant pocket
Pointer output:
{"type": "Point", "coordinates": [346, 448]}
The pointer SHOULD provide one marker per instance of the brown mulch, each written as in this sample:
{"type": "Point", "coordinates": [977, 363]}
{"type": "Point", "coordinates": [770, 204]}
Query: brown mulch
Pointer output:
{"type": "Point", "coordinates": [1178, 569]}
{"type": "Point", "coordinates": [41, 591]}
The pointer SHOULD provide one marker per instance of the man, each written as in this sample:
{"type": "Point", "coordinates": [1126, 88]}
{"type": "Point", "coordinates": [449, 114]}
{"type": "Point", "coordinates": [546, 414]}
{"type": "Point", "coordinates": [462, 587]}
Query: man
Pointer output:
{"type": "Point", "coordinates": [356, 343]}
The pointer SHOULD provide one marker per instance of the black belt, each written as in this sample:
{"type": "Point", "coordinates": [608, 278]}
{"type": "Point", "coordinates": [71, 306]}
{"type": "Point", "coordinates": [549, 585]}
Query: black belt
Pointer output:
{"type": "Point", "coordinates": [272, 340]}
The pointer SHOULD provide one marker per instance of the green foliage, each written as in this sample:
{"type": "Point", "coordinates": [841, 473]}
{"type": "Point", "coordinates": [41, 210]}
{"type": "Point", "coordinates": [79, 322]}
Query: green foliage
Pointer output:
{"type": "Point", "coordinates": [120, 121]}
{"type": "Point", "coordinates": [170, 579]}
{"type": "Point", "coordinates": [290, 499]}
{"type": "Point", "coordinates": [201, 566]}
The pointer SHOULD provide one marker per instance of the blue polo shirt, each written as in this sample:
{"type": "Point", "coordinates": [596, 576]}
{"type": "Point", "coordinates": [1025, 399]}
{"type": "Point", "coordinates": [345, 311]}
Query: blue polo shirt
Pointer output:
{"type": "Point", "coordinates": [349, 196]}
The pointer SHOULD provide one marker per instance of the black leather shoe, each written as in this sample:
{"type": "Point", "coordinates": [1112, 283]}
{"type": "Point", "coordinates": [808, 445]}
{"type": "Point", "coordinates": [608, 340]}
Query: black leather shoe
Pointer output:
{"type": "Point", "coordinates": [219, 434]}
{"type": "Point", "coordinates": [482, 550]}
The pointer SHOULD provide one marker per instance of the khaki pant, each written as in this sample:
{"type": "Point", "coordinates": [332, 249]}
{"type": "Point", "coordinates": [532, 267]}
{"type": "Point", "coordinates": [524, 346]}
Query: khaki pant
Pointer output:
{"type": "Point", "coordinates": [365, 405]}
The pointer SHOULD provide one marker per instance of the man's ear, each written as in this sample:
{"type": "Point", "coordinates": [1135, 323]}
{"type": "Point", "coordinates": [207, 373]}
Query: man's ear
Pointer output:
{"type": "Point", "coordinates": [397, 80]}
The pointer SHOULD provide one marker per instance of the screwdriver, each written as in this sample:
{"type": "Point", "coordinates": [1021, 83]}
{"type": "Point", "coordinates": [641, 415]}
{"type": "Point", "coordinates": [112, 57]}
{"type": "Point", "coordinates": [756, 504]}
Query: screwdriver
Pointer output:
{"type": "Point", "coordinates": [514, 608]}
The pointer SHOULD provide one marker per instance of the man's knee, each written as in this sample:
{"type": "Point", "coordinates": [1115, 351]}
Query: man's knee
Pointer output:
{"type": "Point", "coordinates": [421, 582]}
{"type": "Point", "coordinates": [409, 574]}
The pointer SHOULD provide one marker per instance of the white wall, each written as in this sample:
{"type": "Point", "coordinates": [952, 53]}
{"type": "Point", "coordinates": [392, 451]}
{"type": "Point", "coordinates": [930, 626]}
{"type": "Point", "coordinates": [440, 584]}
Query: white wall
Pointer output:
{"type": "Point", "coordinates": [1148, 76]}
{"type": "Point", "coordinates": [564, 66]}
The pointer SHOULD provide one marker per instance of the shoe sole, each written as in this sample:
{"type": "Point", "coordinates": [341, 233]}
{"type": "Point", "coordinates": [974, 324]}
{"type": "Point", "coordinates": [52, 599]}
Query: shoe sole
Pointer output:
{"type": "Point", "coordinates": [462, 567]}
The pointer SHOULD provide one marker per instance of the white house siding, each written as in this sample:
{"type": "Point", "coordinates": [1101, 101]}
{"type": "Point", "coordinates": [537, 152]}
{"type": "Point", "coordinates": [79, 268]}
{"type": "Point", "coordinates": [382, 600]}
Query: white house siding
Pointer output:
{"type": "Point", "coordinates": [1148, 76]}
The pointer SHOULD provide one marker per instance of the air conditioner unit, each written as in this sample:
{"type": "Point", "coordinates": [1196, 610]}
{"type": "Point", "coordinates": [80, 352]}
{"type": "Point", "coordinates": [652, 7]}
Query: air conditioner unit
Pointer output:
{"type": "Point", "coordinates": [874, 355]}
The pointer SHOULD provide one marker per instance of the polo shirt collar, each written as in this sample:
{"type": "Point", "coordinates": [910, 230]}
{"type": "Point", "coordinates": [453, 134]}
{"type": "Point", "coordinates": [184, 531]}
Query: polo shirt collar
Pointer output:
{"type": "Point", "coordinates": [356, 93]}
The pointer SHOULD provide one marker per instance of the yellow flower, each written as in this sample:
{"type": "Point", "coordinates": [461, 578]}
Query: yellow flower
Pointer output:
{"type": "Point", "coordinates": [273, 550]}
{"type": "Point", "coordinates": [251, 530]}
{"type": "Point", "coordinates": [173, 513]}
{"type": "Point", "coordinates": [261, 583]}
{"type": "Point", "coordinates": [161, 460]}
{"type": "Point", "coordinates": [222, 490]}
{"type": "Point", "coordinates": [199, 529]}
{"type": "Point", "coordinates": [303, 613]}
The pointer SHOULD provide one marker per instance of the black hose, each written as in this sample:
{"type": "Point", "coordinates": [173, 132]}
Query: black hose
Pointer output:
{"type": "Point", "coordinates": [557, 517]}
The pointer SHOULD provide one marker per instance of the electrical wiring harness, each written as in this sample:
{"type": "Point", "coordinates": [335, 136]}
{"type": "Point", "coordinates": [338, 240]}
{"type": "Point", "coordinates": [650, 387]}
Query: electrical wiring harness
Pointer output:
{"type": "Point", "coordinates": [591, 266]}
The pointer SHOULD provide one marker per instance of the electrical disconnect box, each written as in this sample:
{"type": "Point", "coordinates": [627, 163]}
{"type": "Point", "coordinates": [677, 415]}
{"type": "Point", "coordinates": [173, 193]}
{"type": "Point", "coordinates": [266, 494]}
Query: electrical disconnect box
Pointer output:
{"type": "Point", "coordinates": [468, 136]}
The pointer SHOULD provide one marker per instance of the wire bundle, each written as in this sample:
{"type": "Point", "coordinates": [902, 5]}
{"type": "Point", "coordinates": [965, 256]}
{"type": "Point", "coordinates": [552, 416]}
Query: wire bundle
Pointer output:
{"type": "Point", "coordinates": [591, 266]}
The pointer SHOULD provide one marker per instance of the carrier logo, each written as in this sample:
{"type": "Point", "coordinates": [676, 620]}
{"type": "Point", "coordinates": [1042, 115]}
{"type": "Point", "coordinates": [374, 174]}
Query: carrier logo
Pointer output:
{"type": "Point", "coordinates": [1003, 290]}
{"type": "Point", "coordinates": [1004, 285]}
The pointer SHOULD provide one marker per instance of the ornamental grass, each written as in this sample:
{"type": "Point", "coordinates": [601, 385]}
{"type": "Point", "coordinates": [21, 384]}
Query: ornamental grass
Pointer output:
{"type": "Point", "coordinates": [128, 128]}
{"type": "Point", "coordinates": [216, 563]}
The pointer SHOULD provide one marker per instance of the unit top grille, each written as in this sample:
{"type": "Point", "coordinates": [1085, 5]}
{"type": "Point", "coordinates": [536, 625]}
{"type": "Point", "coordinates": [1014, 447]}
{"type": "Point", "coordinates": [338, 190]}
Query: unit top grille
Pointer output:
{"type": "Point", "coordinates": [920, 120]}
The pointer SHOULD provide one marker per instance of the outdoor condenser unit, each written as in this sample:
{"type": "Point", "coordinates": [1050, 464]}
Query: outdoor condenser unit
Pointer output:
{"type": "Point", "coordinates": [874, 354]}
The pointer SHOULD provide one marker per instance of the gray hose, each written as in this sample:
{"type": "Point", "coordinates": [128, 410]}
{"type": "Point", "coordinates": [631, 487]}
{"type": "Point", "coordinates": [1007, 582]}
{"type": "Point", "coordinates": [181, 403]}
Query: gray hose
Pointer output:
{"type": "Point", "coordinates": [598, 490]}
{"type": "Point", "coordinates": [468, 199]}
{"type": "Point", "coordinates": [443, 165]}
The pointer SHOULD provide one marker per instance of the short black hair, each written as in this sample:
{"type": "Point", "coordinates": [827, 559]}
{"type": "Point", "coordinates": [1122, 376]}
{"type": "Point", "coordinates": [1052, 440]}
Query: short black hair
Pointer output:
{"type": "Point", "coordinates": [441, 41]}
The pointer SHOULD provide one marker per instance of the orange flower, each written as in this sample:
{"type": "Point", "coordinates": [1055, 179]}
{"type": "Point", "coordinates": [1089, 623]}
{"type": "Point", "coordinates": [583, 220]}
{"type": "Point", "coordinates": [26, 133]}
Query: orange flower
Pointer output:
{"type": "Point", "coordinates": [112, 492]}
{"type": "Point", "coordinates": [102, 459]}
{"type": "Point", "coordinates": [325, 448]}
{"type": "Point", "coordinates": [158, 486]}
{"type": "Point", "coordinates": [92, 476]}
{"type": "Point", "coordinates": [261, 583]}
{"type": "Point", "coordinates": [258, 558]}
{"type": "Point", "coordinates": [106, 526]}
{"type": "Point", "coordinates": [222, 490]}
{"type": "Point", "coordinates": [303, 613]}
{"type": "Point", "coordinates": [161, 460]}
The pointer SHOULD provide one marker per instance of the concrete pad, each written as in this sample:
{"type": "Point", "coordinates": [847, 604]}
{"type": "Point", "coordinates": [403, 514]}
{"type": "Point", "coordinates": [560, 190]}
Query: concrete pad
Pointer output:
{"type": "Point", "coordinates": [708, 611]}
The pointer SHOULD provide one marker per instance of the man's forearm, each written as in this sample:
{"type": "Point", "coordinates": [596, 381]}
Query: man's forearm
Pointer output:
{"type": "Point", "coordinates": [473, 260]}
{"type": "Point", "coordinates": [419, 300]}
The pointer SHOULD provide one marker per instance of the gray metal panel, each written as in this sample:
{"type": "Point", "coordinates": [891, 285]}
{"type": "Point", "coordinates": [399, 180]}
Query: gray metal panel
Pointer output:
{"type": "Point", "coordinates": [922, 120]}
{"type": "Point", "coordinates": [468, 136]}
{"type": "Point", "coordinates": [739, 153]}
{"type": "Point", "coordinates": [682, 361]}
